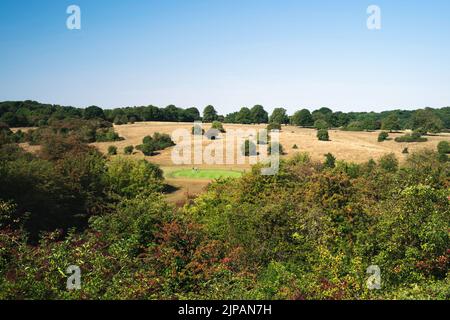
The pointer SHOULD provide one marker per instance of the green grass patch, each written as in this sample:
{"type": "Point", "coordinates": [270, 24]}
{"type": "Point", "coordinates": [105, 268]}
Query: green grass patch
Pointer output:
{"type": "Point", "coordinates": [205, 174]}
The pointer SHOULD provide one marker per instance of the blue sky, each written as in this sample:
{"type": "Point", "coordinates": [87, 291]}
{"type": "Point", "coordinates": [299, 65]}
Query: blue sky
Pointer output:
{"type": "Point", "coordinates": [229, 53]}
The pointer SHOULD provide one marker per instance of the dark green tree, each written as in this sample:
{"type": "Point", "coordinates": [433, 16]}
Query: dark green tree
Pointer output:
{"type": "Point", "coordinates": [93, 112]}
{"type": "Point", "coordinates": [279, 115]}
{"type": "Point", "coordinates": [259, 115]}
{"type": "Point", "coordinates": [209, 114]}
{"type": "Point", "coordinates": [302, 118]}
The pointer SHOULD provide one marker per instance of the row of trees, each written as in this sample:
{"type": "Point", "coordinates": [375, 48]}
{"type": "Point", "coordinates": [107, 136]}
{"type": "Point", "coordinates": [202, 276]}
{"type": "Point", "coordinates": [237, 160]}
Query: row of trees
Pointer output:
{"type": "Point", "coordinates": [31, 113]}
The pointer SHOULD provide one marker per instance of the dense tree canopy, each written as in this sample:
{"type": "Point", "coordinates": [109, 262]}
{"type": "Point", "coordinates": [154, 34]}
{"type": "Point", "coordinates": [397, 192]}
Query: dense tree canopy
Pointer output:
{"type": "Point", "coordinates": [259, 115]}
{"type": "Point", "coordinates": [279, 115]}
{"type": "Point", "coordinates": [209, 114]}
{"type": "Point", "coordinates": [31, 113]}
{"type": "Point", "coordinates": [302, 118]}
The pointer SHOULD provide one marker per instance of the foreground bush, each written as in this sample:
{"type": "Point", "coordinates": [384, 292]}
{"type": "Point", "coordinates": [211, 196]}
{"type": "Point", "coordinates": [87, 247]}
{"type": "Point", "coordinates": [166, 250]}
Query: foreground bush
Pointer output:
{"type": "Point", "coordinates": [308, 232]}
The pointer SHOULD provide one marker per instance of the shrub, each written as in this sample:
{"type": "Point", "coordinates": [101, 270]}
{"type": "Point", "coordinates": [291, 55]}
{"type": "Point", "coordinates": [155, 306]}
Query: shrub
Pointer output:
{"type": "Point", "coordinates": [273, 126]}
{"type": "Point", "coordinates": [130, 177]}
{"type": "Point", "coordinates": [128, 150]}
{"type": "Point", "coordinates": [112, 150]}
{"type": "Point", "coordinates": [151, 144]}
{"type": "Point", "coordinates": [330, 161]}
{"type": "Point", "coordinates": [218, 126]}
{"type": "Point", "coordinates": [321, 124]}
{"type": "Point", "coordinates": [383, 136]}
{"type": "Point", "coordinates": [389, 162]}
{"type": "Point", "coordinates": [294, 146]}
{"type": "Point", "coordinates": [405, 151]}
{"type": "Point", "coordinates": [106, 135]}
{"type": "Point", "coordinates": [248, 148]}
{"type": "Point", "coordinates": [148, 149]}
{"type": "Point", "coordinates": [414, 137]}
{"type": "Point", "coordinates": [322, 135]}
{"type": "Point", "coordinates": [443, 147]}
{"type": "Point", "coordinates": [354, 126]}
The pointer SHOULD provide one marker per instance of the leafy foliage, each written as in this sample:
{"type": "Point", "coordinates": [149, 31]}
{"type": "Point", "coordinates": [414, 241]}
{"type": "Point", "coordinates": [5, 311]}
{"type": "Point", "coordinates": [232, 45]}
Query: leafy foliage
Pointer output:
{"type": "Point", "coordinates": [322, 135]}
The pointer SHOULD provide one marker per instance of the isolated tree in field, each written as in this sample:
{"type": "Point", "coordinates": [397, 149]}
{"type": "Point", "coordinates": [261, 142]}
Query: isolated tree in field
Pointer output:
{"type": "Point", "coordinates": [443, 147]}
{"type": "Point", "coordinates": [280, 116]}
{"type": "Point", "coordinates": [128, 150]}
{"type": "Point", "coordinates": [383, 136]}
{"type": "Point", "coordinates": [321, 124]}
{"type": "Point", "coordinates": [244, 116]}
{"type": "Point", "coordinates": [259, 115]}
{"type": "Point", "coordinates": [322, 135]}
{"type": "Point", "coordinates": [209, 114]}
{"type": "Point", "coordinates": [302, 118]}
{"type": "Point", "coordinates": [390, 123]}
{"type": "Point", "coordinates": [94, 112]}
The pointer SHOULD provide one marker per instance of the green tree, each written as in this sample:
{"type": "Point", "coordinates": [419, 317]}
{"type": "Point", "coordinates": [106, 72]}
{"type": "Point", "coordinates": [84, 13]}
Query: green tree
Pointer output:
{"type": "Point", "coordinates": [244, 116]}
{"type": "Point", "coordinates": [321, 124]}
{"type": "Point", "coordinates": [93, 112]}
{"type": "Point", "coordinates": [322, 135]}
{"type": "Point", "coordinates": [128, 150]}
{"type": "Point", "coordinates": [112, 150]}
{"type": "Point", "coordinates": [302, 118]}
{"type": "Point", "coordinates": [426, 120]}
{"type": "Point", "coordinates": [383, 136]}
{"type": "Point", "coordinates": [390, 123]}
{"type": "Point", "coordinates": [218, 126]}
{"type": "Point", "coordinates": [330, 161]}
{"type": "Point", "coordinates": [279, 115]}
{"type": "Point", "coordinates": [259, 115]}
{"type": "Point", "coordinates": [209, 114]}
{"type": "Point", "coordinates": [389, 162]}
{"type": "Point", "coordinates": [130, 177]}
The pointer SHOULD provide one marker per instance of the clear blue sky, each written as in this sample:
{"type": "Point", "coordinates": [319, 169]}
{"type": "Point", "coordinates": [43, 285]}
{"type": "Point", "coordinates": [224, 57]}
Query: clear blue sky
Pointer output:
{"type": "Point", "coordinates": [229, 53]}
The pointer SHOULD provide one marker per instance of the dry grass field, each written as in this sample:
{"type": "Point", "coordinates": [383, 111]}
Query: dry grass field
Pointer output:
{"type": "Point", "coordinates": [344, 145]}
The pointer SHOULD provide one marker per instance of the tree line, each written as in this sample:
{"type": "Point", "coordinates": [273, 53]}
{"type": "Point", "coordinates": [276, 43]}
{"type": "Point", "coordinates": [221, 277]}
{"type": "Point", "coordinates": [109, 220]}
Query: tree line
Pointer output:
{"type": "Point", "coordinates": [32, 113]}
